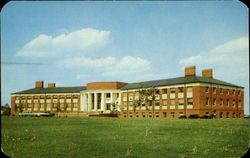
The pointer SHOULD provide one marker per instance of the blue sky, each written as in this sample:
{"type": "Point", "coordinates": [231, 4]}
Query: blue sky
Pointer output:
{"type": "Point", "coordinates": [73, 43]}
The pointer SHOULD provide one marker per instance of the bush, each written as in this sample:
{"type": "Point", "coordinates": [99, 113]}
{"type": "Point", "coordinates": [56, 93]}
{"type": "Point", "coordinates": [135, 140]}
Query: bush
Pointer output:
{"type": "Point", "coordinates": [194, 116]}
{"type": "Point", "coordinates": [183, 117]}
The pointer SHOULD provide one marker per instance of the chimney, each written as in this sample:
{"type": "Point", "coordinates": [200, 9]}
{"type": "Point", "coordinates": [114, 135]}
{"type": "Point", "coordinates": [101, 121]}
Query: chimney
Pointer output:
{"type": "Point", "coordinates": [208, 73]}
{"type": "Point", "coordinates": [51, 85]}
{"type": "Point", "coordinates": [39, 84]}
{"type": "Point", "coordinates": [190, 71]}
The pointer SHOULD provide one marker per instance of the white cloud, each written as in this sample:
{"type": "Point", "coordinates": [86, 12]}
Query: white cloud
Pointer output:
{"type": "Point", "coordinates": [82, 76]}
{"type": "Point", "coordinates": [232, 53]}
{"type": "Point", "coordinates": [78, 62]}
{"type": "Point", "coordinates": [64, 44]}
{"type": "Point", "coordinates": [127, 66]}
{"type": "Point", "coordinates": [229, 60]}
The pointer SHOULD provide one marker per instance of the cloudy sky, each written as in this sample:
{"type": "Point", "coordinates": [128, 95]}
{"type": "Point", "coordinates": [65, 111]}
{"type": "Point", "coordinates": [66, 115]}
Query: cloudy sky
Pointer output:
{"type": "Point", "coordinates": [73, 43]}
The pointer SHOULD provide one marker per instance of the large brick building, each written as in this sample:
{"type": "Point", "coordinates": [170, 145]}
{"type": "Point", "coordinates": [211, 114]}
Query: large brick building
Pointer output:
{"type": "Point", "coordinates": [168, 98]}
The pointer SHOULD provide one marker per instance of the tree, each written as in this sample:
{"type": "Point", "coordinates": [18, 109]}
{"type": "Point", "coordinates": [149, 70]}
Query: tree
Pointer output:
{"type": "Point", "coordinates": [5, 110]}
{"type": "Point", "coordinates": [147, 96]}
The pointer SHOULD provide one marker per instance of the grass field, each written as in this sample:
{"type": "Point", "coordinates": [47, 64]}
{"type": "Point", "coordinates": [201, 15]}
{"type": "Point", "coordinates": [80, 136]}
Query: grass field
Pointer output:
{"type": "Point", "coordinates": [120, 137]}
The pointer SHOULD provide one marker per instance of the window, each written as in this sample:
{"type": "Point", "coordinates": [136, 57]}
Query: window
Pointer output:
{"type": "Point", "coordinates": [164, 91]}
{"type": "Point", "coordinates": [227, 102]}
{"type": "Point", "coordinates": [214, 102]}
{"type": "Point", "coordinates": [164, 114]}
{"type": "Point", "coordinates": [42, 97]}
{"type": "Point", "coordinates": [234, 115]}
{"type": "Point", "coordinates": [61, 97]}
{"type": "Point", "coordinates": [227, 115]}
{"type": "Point", "coordinates": [181, 102]}
{"type": "Point", "coordinates": [214, 90]}
{"type": "Point", "coordinates": [233, 92]}
{"type": "Point", "coordinates": [157, 103]}
{"type": "Point", "coordinates": [172, 90]}
{"type": "Point", "coordinates": [75, 96]}
{"type": "Point", "coordinates": [206, 89]}
{"type": "Point", "coordinates": [108, 106]}
{"type": "Point", "coordinates": [239, 103]}
{"type": "Point", "coordinates": [190, 89]}
{"type": "Point", "coordinates": [157, 91]}
{"type": "Point", "coordinates": [221, 114]}
{"type": "Point", "coordinates": [207, 101]}
{"type": "Point", "coordinates": [190, 101]}
{"type": "Point", "coordinates": [164, 103]}
{"type": "Point", "coordinates": [180, 89]}
{"type": "Point", "coordinates": [172, 102]}
{"type": "Point", "coordinates": [108, 95]}
{"type": "Point", "coordinates": [221, 102]}
{"type": "Point", "coordinates": [239, 93]}
{"type": "Point", "coordinates": [157, 114]}
{"type": "Point", "coordinates": [172, 114]}
{"type": "Point", "coordinates": [227, 91]}
{"type": "Point", "coordinates": [233, 103]}
{"type": "Point", "coordinates": [54, 97]}
{"type": "Point", "coordinates": [221, 91]}
{"type": "Point", "coordinates": [181, 114]}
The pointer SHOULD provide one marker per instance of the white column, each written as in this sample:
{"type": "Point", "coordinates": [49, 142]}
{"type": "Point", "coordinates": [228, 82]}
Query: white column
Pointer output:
{"type": "Point", "coordinates": [89, 101]}
{"type": "Point", "coordinates": [103, 102]}
{"type": "Point", "coordinates": [111, 98]}
{"type": "Point", "coordinates": [95, 101]}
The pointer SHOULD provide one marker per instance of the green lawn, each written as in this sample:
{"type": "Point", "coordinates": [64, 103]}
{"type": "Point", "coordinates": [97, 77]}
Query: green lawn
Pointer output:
{"type": "Point", "coordinates": [120, 137]}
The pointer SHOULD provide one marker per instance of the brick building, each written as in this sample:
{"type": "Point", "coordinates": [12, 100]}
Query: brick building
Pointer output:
{"type": "Point", "coordinates": [167, 98]}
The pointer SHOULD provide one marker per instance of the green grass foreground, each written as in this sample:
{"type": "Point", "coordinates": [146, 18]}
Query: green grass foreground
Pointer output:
{"type": "Point", "coordinates": [121, 137]}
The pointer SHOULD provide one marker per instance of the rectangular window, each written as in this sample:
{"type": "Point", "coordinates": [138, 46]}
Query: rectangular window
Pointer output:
{"type": "Point", "coordinates": [172, 90]}
{"type": "Point", "coordinates": [227, 102]}
{"type": "Point", "coordinates": [164, 91]}
{"type": "Point", "coordinates": [172, 102]}
{"type": "Point", "coordinates": [164, 103]}
{"type": "Point", "coordinates": [180, 89]}
{"type": "Point", "coordinates": [207, 101]}
{"type": "Point", "coordinates": [108, 95]}
{"type": "Point", "coordinates": [233, 103]}
{"type": "Point", "coordinates": [164, 114]}
{"type": "Point", "coordinates": [214, 90]}
{"type": "Point", "coordinates": [206, 89]}
{"type": "Point", "coordinates": [227, 91]}
{"type": "Point", "coordinates": [221, 102]}
{"type": "Point", "coordinates": [239, 93]}
{"type": "Point", "coordinates": [233, 92]}
{"type": "Point", "coordinates": [190, 101]}
{"type": "Point", "coordinates": [181, 114]}
{"type": "Point", "coordinates": [239, 103]}
{"type": "Point", "coordinates": [157, 103]}
{"type": "Point", "coordinates": [172, 114]}
{"type": "Point", "coordinates": [221, 91]}
{"type": "Point", "coordinates": [190, 89]}
{"type": "Point", "coordinates": [181, 101]}
{"type": "Point", "coordinates": [214, 102]}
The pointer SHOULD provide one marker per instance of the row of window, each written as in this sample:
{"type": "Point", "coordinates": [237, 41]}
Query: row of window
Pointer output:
{"type": "Point", "coordinates": [164, 102]}
{"type": "Point", "coordinates": [164, 91]}
{"type": "Point", "coordinates": [174, 114]}
{"type": "Point", "coordinates": [220, 91]}
{"type": "Point", "coordinates": [48, 107]}
{"type": "Point", "coordinates": [47, 97]}
{"type": "Point", "coordinates": [221, 102]}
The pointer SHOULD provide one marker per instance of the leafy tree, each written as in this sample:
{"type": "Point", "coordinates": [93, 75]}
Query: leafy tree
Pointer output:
{"type": "Point", "coordinates": [5, 110]}
{"type": "Point", "coordinates": [147, 96]}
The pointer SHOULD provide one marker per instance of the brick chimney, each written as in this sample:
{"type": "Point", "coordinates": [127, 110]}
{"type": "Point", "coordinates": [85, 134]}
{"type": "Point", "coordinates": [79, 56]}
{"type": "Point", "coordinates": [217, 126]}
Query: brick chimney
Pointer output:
{"type": "Point", "coordinates": [208, 73]}
{"type": "Point", "coordinates": [190, 71]}
{"type": "Point", "coordinates": [51, 85]}
{"type": "Point", "coordinates": [39, 84]}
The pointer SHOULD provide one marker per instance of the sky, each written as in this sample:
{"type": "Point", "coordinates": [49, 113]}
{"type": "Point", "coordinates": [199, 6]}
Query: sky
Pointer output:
{"type": "Point", "coordinates": [73, 43]}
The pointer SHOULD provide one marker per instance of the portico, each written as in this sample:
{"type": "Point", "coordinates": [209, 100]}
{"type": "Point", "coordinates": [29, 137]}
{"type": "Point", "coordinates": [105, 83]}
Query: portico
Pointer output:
{"type": "Point", "coordinates": [99, 100]}
{"type": "Point", "coordinates": [101, 97]}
